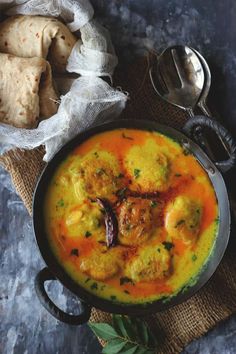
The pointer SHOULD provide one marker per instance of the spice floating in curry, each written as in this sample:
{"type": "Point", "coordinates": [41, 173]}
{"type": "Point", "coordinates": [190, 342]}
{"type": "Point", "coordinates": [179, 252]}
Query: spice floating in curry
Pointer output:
{"type": "Point", "coordinates": [131, 216]}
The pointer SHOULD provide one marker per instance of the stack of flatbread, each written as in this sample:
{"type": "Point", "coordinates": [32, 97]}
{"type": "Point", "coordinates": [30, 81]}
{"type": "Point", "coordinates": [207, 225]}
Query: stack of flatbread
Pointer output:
{"type": "Point", "coordinates": [31, 49]}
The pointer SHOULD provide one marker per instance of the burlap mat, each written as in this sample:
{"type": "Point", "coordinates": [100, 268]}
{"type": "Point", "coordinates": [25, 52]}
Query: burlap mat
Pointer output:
{"type": "Point", "coordinates": [176, 327]}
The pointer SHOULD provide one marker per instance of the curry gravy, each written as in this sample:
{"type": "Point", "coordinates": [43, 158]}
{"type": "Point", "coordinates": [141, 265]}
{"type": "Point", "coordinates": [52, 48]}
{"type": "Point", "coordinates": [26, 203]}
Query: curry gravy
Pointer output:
{"type": "Point", "coordinates": [164, 204]}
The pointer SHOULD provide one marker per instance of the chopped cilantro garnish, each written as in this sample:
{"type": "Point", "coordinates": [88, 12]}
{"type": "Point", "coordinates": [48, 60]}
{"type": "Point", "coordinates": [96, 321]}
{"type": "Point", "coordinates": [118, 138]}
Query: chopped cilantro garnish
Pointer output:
{"type": "Point", "coordinates": [94, 286]}
{"type": "Point", "coordinates": [168, 245]}
{"type": "Point", "coordinates": [125, 280]}
{"type": "Point", "coordinates": [180, 222]}
{"type": "Point", "coordinates": [121, 192]}
{"type": "Point", "coordinates": [186, 152]}
{"type": "Point", "coordinates": [87, 234]}
{"type": "Point", "coordinates": [194, 257]}
{"type": "Point", "coordinates": [153, 203]}
{"type": "Point", "coordinates": [61, 203]}
{"type": "Point", "coordinates": [74, 252]}
{"type": "Point", "coordinates": [136, 172]}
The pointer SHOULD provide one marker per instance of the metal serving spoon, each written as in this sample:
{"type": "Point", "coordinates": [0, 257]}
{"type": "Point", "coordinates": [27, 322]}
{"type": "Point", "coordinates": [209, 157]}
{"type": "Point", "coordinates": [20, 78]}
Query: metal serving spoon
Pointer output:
{"type": "Point", "coordinates": [182, 77]}
{"type": "Point", "coordinates": [178, 77]}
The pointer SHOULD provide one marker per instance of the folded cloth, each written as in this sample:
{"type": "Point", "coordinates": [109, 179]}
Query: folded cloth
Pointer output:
{"type": "Point", "coordinates": [37, 36]}
{"type": "Point", "coordinates": [26, 91]}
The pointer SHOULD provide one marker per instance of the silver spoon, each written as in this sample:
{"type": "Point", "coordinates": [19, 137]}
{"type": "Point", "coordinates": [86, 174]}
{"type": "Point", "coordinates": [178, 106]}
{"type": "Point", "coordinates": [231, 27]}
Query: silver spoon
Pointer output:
{"type": "Point", "coordinates": [182, 77]}
{"type": "Point", "coordinates": [178, 77]}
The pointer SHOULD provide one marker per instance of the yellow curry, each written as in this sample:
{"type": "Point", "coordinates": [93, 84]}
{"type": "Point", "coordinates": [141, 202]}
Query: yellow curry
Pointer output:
{"type": "Point", "coordinates": [131, 216]}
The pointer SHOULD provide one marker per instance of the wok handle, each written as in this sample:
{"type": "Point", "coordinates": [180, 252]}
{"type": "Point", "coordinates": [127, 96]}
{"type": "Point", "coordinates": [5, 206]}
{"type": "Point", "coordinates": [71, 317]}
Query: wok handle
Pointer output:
{"type": "Point", "coordinates": [202, 121]}
{"type": "Point", "coordinates": [47, 303]}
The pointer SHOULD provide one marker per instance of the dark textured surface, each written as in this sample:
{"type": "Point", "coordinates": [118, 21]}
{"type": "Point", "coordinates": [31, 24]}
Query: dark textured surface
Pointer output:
{"type": "Point", "coordinates": [136, 26]}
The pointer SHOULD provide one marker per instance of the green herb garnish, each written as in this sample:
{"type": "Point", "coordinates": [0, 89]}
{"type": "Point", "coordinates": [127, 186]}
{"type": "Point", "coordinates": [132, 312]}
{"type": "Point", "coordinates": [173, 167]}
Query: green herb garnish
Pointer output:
{"type": "Point", "coordinates": [121, 192]}
{"type": "Point", "coordinates": [178, 175]}
{"type": "Point", "coordinates": [87, 234]}
{"type": "Point", "coordinates": [74, 252]}
{"type": "Point", "coordinates": [113, 297]}
{"type": "Point", "coordinates": [186, 152]}
{"type": "Point", "coordinates": [126, 335]}
{"type": "Point", "coordinates": [125, 280]}
{"type": "Point", "coordinates": [194, 257]}
{"type": "Point", "coordinates": [153, 203]}
{"type": "Point", "coordinates": [168, 245]}
{"type": "Point", "coordinates": [136, 172]}
{"type": "Point", "coordinates": [60, 203]}
{"type": "Point", "coordinates": [94, 286]}
{"type": "Point", "coordinates": [180, 222]}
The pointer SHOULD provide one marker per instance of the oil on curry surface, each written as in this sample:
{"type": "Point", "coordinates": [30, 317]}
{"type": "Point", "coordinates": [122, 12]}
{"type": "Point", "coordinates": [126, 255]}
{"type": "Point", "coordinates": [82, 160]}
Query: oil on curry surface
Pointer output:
{"type": "Point", "coordinates": [131, 216]}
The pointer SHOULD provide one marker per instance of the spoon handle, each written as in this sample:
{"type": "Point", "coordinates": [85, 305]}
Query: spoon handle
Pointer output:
{"type": "Point", "coordinates": [205, 110]}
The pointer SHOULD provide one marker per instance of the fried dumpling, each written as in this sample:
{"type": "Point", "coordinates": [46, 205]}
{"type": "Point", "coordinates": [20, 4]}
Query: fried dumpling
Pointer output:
{"type": "Point", "coordinates": [151, 263]}
{"type": "Point", "coordinates": [97, 175]}
{"type": "Point", "coordinates": [183, 218]}
{"type": "Point", "coordinates": [148, 168]}
{"type": "Point", "coordinates": [101, 266]}
{"type": "Point", "coordinates": [137, 218]}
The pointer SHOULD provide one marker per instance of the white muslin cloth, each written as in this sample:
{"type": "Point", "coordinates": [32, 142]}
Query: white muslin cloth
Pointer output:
{"type": "Point", "coordinates": [90, 99]}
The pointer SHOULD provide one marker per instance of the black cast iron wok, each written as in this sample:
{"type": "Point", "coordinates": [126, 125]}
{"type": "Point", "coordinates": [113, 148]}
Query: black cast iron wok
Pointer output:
{"type": "Point", "coordinates": [54, 270]}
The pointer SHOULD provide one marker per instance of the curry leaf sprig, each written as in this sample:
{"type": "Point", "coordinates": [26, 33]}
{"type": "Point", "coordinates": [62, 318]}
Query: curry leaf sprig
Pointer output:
{"type": "Point", "coordinates": [125, 336]}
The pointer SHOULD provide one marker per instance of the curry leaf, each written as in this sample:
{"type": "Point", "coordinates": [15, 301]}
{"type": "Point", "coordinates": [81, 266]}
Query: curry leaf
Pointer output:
{"type": "Point", "coordinates": [130, 328]}
{"type": "Point", "coordinates": [114, 346]}
{"type": "Point", "coordinates": [125, 336]}
{"type": "Point", "coordinates": [136, 172]}
{"type": "Point", "coordinates": [130, 349]}
{"type": "Point", "coordinates": [143, 331]}
{"type": "Point", "coordinates": [143, 350]}
{"type": "Point", "coordinates": [152, 339]}
{"type": "Point", "coordinates": [103, 331]}
{"type": "Point", "coordinates": [168, 245]}
{"type": "Point", "coordinates": [118, 324]}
